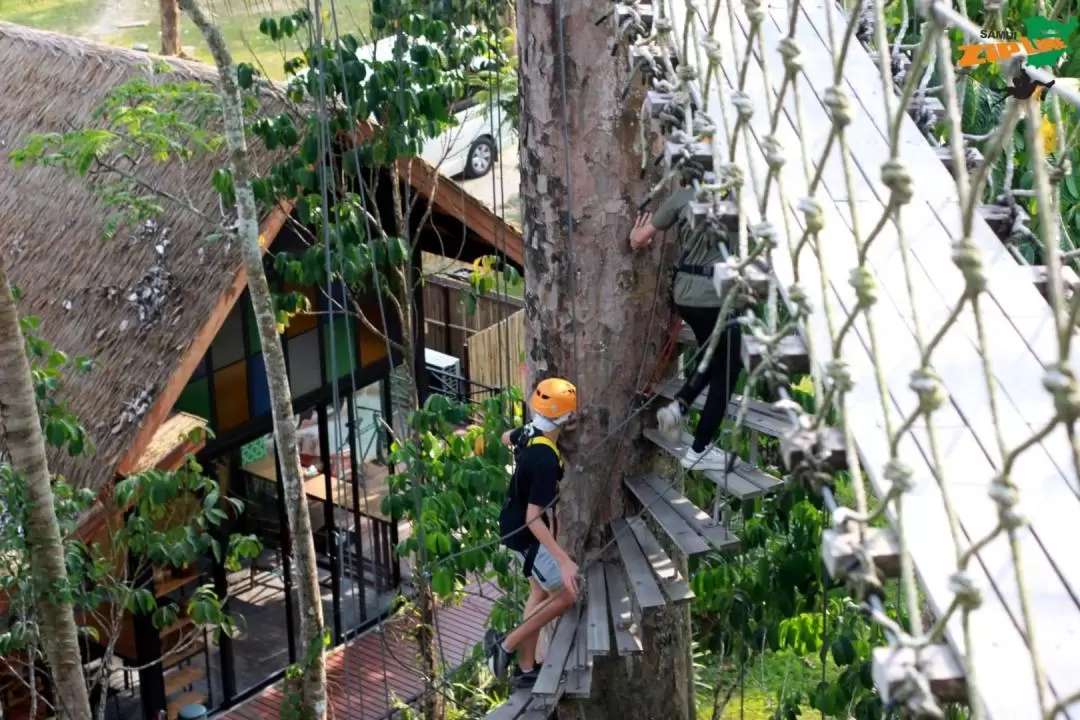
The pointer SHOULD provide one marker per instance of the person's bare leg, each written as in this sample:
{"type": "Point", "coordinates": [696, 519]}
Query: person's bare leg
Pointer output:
{"type": "Point", "coordinates": [526, 656]}
{"type": "Point", "coordinates": [530, 629]}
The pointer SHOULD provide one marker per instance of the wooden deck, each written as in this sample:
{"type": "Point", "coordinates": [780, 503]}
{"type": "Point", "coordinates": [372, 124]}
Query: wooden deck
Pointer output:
{"type": "Point", "coordinates": [1017, 321]}
{"type": "Point", "coordinates": [365, 676]}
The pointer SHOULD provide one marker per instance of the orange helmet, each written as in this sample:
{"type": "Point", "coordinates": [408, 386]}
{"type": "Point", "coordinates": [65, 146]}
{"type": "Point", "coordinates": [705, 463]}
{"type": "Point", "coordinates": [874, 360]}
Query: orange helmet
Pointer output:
{"type": "Point", "coordinates": [554, 398]}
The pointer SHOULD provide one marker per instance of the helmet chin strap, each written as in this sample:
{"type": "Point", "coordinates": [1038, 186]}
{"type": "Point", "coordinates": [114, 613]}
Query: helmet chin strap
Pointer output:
{"type": "Point", "coordinates": [543, 424]}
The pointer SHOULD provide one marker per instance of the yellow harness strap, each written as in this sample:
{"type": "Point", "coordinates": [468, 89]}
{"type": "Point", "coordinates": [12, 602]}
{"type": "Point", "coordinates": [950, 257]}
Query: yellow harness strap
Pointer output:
{"type": "Point", "coordinates": [545, 440]}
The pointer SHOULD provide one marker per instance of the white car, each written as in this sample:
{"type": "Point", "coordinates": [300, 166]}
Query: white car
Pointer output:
{"type": "Point", "coordinates": [471, 147]}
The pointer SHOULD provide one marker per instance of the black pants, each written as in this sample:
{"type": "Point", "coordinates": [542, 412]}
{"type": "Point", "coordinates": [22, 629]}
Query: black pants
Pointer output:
{"type": "Point", "coordinates": [720, 377]}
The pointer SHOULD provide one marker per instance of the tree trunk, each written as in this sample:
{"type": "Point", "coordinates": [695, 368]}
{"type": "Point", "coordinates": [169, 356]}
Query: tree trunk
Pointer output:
{"type": "Point", "coordinates": [21, 429]}
{"type": "Point", "coordinates": [170, 27]}
{"type": "Point", "coordinates": [612, 290]}
{"type": "Point", "coordinates": [313, 661]}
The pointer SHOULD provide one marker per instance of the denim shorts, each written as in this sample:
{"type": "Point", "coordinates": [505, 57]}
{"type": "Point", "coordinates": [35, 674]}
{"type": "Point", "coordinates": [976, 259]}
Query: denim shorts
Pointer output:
{"type": "Point", "coordinates": [545, 569]}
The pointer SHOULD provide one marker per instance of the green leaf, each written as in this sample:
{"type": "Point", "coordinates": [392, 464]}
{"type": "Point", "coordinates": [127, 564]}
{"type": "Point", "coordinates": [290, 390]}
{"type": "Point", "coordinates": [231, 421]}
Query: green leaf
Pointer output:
{"type": "Point", "coordinates": [442, 581]}
{"type": "Point", "coordinates": [843, 651]}
{"type": "Point", "coordinates": [245, 76]}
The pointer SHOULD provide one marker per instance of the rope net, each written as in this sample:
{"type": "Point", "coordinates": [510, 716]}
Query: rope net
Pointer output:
{"type": "Point", "coordinates": [949, 380]}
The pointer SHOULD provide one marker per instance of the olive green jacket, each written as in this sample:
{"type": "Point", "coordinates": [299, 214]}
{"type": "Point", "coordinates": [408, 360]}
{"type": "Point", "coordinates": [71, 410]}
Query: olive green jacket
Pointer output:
{"type": "Point", "coordinates": [695, 248]}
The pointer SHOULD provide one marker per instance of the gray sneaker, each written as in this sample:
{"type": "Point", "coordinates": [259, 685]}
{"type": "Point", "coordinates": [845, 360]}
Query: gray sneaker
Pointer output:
{"type": "Point", "coordinates": [522, 679]}
{"type": "Point", "coordinates": [671, 418]}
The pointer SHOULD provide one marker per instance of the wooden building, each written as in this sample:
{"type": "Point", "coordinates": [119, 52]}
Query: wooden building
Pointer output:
{"type": "Point", "coordinates": [165, 317]}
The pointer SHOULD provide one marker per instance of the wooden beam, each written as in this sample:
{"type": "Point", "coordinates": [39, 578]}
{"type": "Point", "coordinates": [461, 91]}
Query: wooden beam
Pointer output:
{"type": "Point", "coordinates": [938, 663]}
{"type": "Point", "coordinates": [790, 353]}
{"type": "Point", "coordinates": [637, 567]}
{"type": "Point", "coordinates": [684, 537]}
{"type": "Point", "coordinates": [1040, 275]}
{"type": "Point", "coordinates": [513, 707]}
{"type": "Point", "coordinates": [715, 533]}
{"type": "Point", "coordinates": [675, 587]}
{"type": "Point", "coordinates": [838, 551]}
{"type": "Point", "coordinates": [551, 672]}
{"type": "Point", "coordinates": [579, 664]}
{"type": "Point", "coordinates": [193, 355]}
{"type": "Point", "coordinates": [627, 634]}
{"type": "Point", "coordinates": [599, 634]}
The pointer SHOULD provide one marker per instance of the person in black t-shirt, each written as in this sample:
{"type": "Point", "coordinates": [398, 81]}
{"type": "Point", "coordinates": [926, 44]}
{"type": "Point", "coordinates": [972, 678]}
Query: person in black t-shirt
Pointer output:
{"type": "Point", "coordinates": [524, 526]}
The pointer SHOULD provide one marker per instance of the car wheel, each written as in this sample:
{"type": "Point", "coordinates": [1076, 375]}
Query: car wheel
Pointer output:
{"type": "Point", "coordinates": [481, 158]}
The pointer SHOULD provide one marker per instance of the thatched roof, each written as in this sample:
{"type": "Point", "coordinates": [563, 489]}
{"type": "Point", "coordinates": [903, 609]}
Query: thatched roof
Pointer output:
{"type": "Point", "coordinates": [80, 286]}
{"type": "Point", "coordinates": [132, 310]}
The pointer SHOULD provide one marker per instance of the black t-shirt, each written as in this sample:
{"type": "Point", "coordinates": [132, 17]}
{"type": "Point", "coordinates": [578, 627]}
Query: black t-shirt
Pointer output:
{"type": "Point", "coordinates": [535, 481]}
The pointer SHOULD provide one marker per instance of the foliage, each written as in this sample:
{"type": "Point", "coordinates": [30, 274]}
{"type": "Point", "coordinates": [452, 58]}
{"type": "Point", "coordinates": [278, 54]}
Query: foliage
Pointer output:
{"type": "Point", "coordinates": [161, 518]}
{"type": "Point", "coordinates": [410, 95]}
{"type": "Point", "coordinates": [450, 485]}
{"type": "Point", "coordinates": [145, 122]}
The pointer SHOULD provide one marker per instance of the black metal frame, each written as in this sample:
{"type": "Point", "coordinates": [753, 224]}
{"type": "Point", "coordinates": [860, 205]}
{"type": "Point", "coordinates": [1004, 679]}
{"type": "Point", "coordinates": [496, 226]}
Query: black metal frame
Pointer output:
{"type": "Point", "coordinates": [384, 538]}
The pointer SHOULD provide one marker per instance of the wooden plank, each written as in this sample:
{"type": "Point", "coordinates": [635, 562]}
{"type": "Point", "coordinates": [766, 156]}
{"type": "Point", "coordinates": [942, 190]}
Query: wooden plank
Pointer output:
{"type": "Point", "coordinates": [685, 537]}
{"type": "Point", "coordinates": [675, 587]}
{"type": "Point", "coordinates": [930, 539]}
{"type": "Point", "coordinates": [513, 707]}
{"type": "Point", "coordinates": [637, 567]}
{"type": "Point", "coordinates": [890, 665]}
{"type": "Point", "coordinates": [713, 460]}
{"type": "Point", "coordinates": [698, 520]}
{"type": "Point", "coordinates": [579, 680]}
{"type": "Point", "coordinates": [759, 415]}
{"type": "Point", "coordinates": [541, 707]}
{"type": "Point", "coordinates": [789, 355]}
{"type": "Point", "coordinates": [1040, 276]}
{"type": "Point", "coordinates": [551, 672]}
{"type": "Point", "coordinates": [599, 641]}
{"type": "Point", "coordinates": [838, 550]}
{"type": "Point", "coordinates": [627, 635]}
{"type": "Point", "coordinates": [744, 482]}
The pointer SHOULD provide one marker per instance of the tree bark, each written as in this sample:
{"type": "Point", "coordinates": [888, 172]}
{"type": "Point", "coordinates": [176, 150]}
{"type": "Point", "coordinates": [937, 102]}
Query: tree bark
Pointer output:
{"type": "Point", "coordinates": [170, 27]}
{"type": "Point", "coordinates": [612, 290]}
{"type": "Point", "coordinates": [21, 429]}
{"type": "Point", "coordinates": [313, 660]}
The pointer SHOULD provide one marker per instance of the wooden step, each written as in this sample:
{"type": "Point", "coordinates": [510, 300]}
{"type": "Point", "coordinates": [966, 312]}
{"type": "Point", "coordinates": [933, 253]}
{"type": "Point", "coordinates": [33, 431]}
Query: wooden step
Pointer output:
{"type": "Point", "coordinates": [173, 709]}
{"type": "Point", "coordinates": [638, 571]}
{"type": "Point", "coordinates": [789, 355]}
{"type": "Point", "coordinates": [579, 663]}
{"type": "Point", "coordinates": [838, 551]}
{"type": "Point", "coordinates": [1040, 275]}
{"type": "Point", "coordinates": [760, 415]}
{"type": "Point", "coordinates": [647, 565]}
{"type": "Point", "coordinates": [937, 662]}
{"type": "Point", "coordinates": [513, 708]}
{"type": "Point", "coordinates": [680, 518]}
{"type": "Point", "coordinates": [745, 482]}
{"type": "Point", "coordinates": [685, 537]}
{"type": "Point", "coordinates": [972, 158]}
{"type": "Point", "coordinates": [559, 651]}
{"type": "Point", "coordinates": [183, 678]}
{"type": "Point", "coordinates": [624, 620]}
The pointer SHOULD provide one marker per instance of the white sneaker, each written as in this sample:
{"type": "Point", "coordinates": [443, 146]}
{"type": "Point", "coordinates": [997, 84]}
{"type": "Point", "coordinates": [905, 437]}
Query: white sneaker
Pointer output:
{"type": "Point", "coordinates": [693, 460]}
{"type": "Point", "coordinates": [670, 419]}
